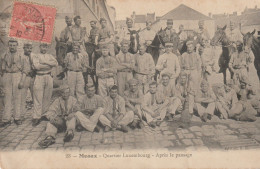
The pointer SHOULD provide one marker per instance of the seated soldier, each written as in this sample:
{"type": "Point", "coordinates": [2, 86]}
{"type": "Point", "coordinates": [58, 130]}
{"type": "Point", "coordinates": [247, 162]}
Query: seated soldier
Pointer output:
{"type": "Point", "coordinates": [90, 109]}
{"type": "Point", "coordinates": [205, 102]}
{"type": "Point", "coordinates": [133, 100]}
{"type": "Point", "coordinates": [185, 92]}
{"type": "Point", "coordinates": [115, 115]}
{"type": "Point", "coordinates": [154, 106]}
{"type": "Point", "coordinates": [226, 99]}
{"type": "Point", "coordinates": [167, 87]}
{"type": "Point", "coordinates": [61, 118]}
{"type": "Point", "coordinates": [244, 110]}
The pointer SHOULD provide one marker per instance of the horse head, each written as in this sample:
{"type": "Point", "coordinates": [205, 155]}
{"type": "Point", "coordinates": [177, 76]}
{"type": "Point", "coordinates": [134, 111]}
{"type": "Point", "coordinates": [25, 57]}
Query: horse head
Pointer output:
{"type": "Point", "coordinates": [134, 40]}
{"type": "Point", "coordinates": [248, 38]}
{"type": "Point", "coordinates": [219, 36]}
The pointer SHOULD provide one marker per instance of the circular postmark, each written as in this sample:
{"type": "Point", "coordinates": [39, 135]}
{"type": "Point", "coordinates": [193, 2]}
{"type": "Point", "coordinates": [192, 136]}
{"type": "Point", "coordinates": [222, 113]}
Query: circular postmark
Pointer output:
{"type": "Point", "coordinates": [27, 22]}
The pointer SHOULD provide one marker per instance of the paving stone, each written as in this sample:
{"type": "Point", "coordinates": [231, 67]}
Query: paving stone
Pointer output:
{"type": "Point", "coordinates": [197, 141]}
{"type": "Point", "coordinates": [88, 147]}
{"type": "Point", "coordinates": [235, 126]}
{"type": "Point", "coordinates": [74, 148]}
{"type": "Point", "coordinates": [253, 130]}
{"type": "Point", "coordinates": [190, 135]}
{"type": "Point", "coordinates": [85, 139]}
{"type": "Point", "coordinates": [12, 145]}
{"type": "Point", "coordinates": [31, 137]}
{"type": "Point", "coordinates": [198, 134]}
{"type": "Point", "coordinates": [220, 132]}
{"type": "Point", "coordinates": [8, 149]}
{"type": "Point", "coordinates": [229, 131]}
{"type": "Point", "coordinates": [195, 128]}
{"type": "Point", "coordinates": [221, 127]}
{"type": "Point", "coordinates": [114, 147]}
{"type": "Point", "coordinates": [119, 139]}
{"type": "Point", "coordinates": [228, 137]}
{"type": "Point", "coordinates": [108, 134]}
{"type": "Point", "coordinates": [97, 136]}
{"type": "Point", "coordinates": [102, 147]}
{"type": "Point", "coordinates": [27, 141]}
{"type": "Point", "coordinates": [3, 143]}
{"type": "Point", "coordinates": [257, 137]}
{"type": "Point", "coordinates": [118, 134]}
{"type": "Point", "coordinates": [180, 135]}
{"type": "Point", "coordinates": [95, 141]}
{"type": "Point", "coordinates": [131, 139]}
{"type": "Point", "coordinates": [167, 143]}
{"type": "Point", "coordinates": [208, 133]}
{"type": "Point", "coordinates": [70, 144]}
{"type": "Point", "coordinates": [128, 146]}
{"type": "Point", "coordinates": [23, 147]}
{"type": "Point", "coordinates": [208, 127]}
{"type": "Point", "coordinates": [167, 132]}
{"type": "Point", "coordinates": [187, 142]}
{"type": "Point", "coordinates": [171, 137]}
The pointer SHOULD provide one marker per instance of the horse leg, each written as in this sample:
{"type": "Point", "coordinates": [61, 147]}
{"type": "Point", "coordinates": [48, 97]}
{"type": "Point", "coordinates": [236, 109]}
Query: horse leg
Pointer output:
{"type": "Point", "coordinates": [225, 75]}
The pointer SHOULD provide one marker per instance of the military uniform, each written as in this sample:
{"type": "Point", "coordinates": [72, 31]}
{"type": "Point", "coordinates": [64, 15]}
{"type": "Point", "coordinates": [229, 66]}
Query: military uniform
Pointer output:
{"type": "Point", "coordinates": [153, 103]}
{"type": "Point", "coordinates": [93, 35]}
{"type": "Point", "coordinates": [234, 35]}
{"type": "Point", "coordinates": [106, 72]}
{"type": "Point", "coordinates": [124, 74]}
{"type": "Point", "coordinates": [63, 109]}
{"type": "Point", "coordinates": [147, 36]}
{"type": "Point", "coordinates": [238, 62]}
{"type": "Point", "coordinates": [172, 65]}
{"type": "Point", "coordinates": [134, 99]}
{"type": "Point", "coordinates": [116, 107]}
{"type": "Point", "coordinates": [103, 35]}
{"type": "Point", "coordinates": [90, 111]}
{"type": "Point", "coordinates": [208, 61]}
{"type": "Point", "coordinates": [76, 65]}
{"type": "Point", "coordinates": [191, 64]}
{"type": "Point", "coordinates": [202, 107]}
{"type": "Point", "coordinates": [43, 84]}
{"type": "Point", "coordinates": [145, 70]}
{"type": "Point", "coordinates": [12, 65]}
{"type": "Point", "coordinates": [202, 33]}
{"type": "Point", "coordinates": [78, 34]}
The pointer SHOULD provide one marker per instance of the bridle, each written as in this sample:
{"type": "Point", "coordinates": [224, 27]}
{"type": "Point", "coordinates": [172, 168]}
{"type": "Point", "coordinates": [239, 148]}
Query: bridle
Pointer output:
{"type": "Point", "coordinates": [221, 40]}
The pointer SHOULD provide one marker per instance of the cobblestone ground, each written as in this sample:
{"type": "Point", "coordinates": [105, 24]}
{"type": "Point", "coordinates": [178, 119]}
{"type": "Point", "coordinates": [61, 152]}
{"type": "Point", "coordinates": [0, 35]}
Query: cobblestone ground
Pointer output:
{"type": "Point", "coordinates": [213, 135]}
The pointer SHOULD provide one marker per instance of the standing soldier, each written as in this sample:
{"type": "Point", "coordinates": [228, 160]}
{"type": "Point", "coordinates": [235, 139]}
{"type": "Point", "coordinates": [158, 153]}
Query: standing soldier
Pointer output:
{"type": "Point", "coordinates": [182, 34]}
{"type": "Point", "coordinates": [93, 39]}
{"type": "Point", "coordinates": [133, 100]}
{"type": "Point", "coordinates": [191, 64]}
{"type": "Point", "coordinates": [201, 31]}
{"type": "Point", "coordinates": [78, 34]}
{"type": "Point", "coordinates": [126, 34]}
{"type": "Point", "coordinates": [126, 64]}
{"type": "Point", "coordinates": [115, 115]}
{"type": "Point", "coordinates": [233, 33]}
{"type": "Point", "coordinates": [76, 64]}
{"type": "Point", "coordinates": [171, 36]}
{"type": "Point", "coordinates": [43, 84]}
{"type": "Point", "coordinates": [12, 72]}
{"type": "Point", "coordinates": [30, 75]}
{"type": "Point", "coordinates": [145, 68]}
{"type": "Point", "coordinates": [148, 34]}
{"type": "Point", "coordinates": [106, 37]}
{"type": "Point", "coordinates": [106, 71]}
{"type": "Point", "coordinates": [65, 35]}
{"type": "Point", "coordinates": [169, 62]}
{"type": "Point", "coordinates": [91, 106]}
{"type": "Point", "coordinates": [238, 63]}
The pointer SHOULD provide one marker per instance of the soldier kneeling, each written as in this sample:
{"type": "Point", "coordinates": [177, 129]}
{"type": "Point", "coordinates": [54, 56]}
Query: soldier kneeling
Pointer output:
{"type": "Point", "coordinates": [61, 118]}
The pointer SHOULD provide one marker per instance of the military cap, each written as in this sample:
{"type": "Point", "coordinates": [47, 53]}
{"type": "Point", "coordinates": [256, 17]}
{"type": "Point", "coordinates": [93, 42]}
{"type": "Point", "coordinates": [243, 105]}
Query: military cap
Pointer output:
{"type": "Point", "coordinates": [219, 85]}
{"type": "Point", "coordinates": [93, 21]}
{"type": "Point", "coordinates": [43, 44]}
{"type": "Point", "coordinates": [133, 81]}
{"type": "Point", "coordinates": [113, 87]}
{"type": "Point", "coordinates": [129, 19]}
{"type": "Point", "coordinates": [153, 83]}
{"type": "Point", "coordinates": [124, 41]}
{"type": "Point", "coordinates": [64, 87]}
{"type": "Point", "coordinates": [201, 21]}
{"type": "Point", "coordinates": [167, 74]}
{"type": "Point", "coordinates": [102, 19]}
{"type": "Point", "coordinates": [13, 40]}
{"type": "Point", "coordinates": [244, 79]}
{"type": "Point", "coordinates": [169, 21]}
{"type": "Point", "coordinates": [27, 44]}
{"type": "Point", "coordinates": [189, 43]}
{"type": "Point", "coordinates": [204, 82]}
{"type": "Point", "coordinates": [76, 17]}
{"type": "Point", "coordinates": [104, 46]}
{"type": "Point", "coordinates": [182, 73]}
{"type": "Point", "coordinates": [168, 44]}
{"type": "Point", "coordinates": [68, 17]}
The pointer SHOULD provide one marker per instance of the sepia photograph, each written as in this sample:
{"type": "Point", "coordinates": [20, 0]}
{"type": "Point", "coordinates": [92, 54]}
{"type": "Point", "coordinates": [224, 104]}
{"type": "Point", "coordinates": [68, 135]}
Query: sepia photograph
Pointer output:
{"type": "Point", "coordinates": [129, 83]}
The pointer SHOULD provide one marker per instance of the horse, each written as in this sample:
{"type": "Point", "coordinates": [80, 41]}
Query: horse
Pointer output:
{"type": "Point", "coordinates": [134, 41]}
{"type": "Point", "coordinates": [227, 49]}
{"type": "Point", "coordinates": [62, 48]}
{"type": "Point", "coordinates": [250, 41]}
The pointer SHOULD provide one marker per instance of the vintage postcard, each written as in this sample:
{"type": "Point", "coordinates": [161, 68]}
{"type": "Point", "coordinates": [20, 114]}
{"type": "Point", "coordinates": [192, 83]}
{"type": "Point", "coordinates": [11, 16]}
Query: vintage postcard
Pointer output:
{"type": "Point", "coordinates": [129, 84]}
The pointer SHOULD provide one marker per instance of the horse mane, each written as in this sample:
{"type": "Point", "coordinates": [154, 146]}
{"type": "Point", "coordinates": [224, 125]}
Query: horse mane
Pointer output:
{"type": "Point", "coordinates": [256, 44]}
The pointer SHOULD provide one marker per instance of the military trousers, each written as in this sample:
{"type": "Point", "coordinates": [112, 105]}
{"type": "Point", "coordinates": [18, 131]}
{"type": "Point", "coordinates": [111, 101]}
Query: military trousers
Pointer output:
{"type": "Point", "coordinates": [127, 119]}
{"type": "Point", "coordinates": [91, 122]}
{"type": "Point", "coordinates": [76, 83]}
{"type": "Point", "coordinates": [13, 95]}
{"type": "Point", "coordinates": [42, 92]}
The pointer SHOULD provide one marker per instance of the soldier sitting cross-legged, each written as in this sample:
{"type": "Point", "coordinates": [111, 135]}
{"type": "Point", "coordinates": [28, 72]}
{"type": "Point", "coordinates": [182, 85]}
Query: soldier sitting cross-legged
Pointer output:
{"type": "Point", "coordinates": [61, 118]}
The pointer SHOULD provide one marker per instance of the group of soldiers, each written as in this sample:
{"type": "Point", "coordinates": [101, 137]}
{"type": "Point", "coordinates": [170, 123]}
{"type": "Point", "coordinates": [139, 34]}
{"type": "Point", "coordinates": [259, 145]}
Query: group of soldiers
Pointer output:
{"type": "Point", "coordinates": [127, 94]}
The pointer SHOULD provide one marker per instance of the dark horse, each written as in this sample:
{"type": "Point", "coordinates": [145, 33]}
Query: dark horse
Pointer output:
{"type": "Point", "coordinates": [253, 43]}
{"type": "Point", "coordinates": [134, 41]}
{"type": "Point", "coordinates": [220, 37]}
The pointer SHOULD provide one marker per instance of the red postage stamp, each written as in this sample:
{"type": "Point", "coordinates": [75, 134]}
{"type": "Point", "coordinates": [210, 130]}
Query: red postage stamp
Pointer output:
{"type": "Point", "coordinates": [32, 21]}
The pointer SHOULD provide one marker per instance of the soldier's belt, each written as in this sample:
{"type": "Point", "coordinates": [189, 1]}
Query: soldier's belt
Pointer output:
{"type": "Point", "coordinates": [42, 74]}
{"type": "Point", "coordinates": [240, 67]}
{"type": "Point", "coordinates": [12, 72]}
{"type": "Point", "coordinates": [125, 70]}
{"type": "Point", "coordinates": [75, 70]}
